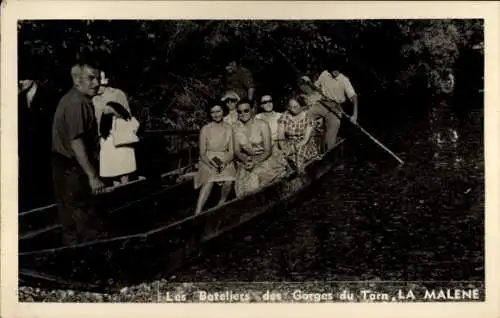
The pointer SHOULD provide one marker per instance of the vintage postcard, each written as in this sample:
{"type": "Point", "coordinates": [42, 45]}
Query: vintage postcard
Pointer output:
{"type": "Point", "coordinates": [250, 159]}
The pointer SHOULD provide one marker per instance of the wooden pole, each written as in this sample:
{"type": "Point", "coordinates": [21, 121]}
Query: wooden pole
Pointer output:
{"type": "Point", "coordinates": [401, 162]}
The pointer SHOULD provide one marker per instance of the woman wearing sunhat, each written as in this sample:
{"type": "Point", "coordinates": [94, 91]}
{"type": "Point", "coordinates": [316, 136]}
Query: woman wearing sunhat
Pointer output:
{"type": "Point", "coordinates": [231, 99]}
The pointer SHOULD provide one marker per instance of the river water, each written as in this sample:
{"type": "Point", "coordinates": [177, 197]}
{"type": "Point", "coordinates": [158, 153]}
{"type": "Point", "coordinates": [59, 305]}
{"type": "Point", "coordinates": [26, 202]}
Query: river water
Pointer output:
{"type": "Point", "coordinates": [372, 219]}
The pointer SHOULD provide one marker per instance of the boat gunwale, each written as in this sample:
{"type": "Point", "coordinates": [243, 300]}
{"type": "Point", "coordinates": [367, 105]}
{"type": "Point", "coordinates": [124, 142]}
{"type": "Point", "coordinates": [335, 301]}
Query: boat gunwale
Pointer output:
{"type": "Point", "coordinates": [34, 233]}
{"type": "Point", "coordinates": [291, 176]}
{"type": "Point", "coordinates": [110, 189]}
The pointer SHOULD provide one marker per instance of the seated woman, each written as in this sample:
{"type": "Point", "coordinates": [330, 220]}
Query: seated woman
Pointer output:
{"type": "Point", "coordinates": [272, 117]}
{"type": "Point", "coordinates": [256, 166]}
{"type": "Point", "coordinates": [216, 157]}
{"type": "Point", "coordinates": [269, 115]}
{"type": "Point", "coordinates": [230, 99]}
{"type": "Point", "coordinates": [295, 131]}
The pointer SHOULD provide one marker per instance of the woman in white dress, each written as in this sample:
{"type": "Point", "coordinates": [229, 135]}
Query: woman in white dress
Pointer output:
{"type": "Point", "coordinates": [272, 117]}
{"type": "Point", "coordinates": [117, 130]}
{"type": "Point", "coordinates": [269, 115]}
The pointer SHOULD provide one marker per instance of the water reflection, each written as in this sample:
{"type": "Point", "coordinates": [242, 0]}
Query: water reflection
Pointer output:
{"type": "Point", "coordinates": [422, 221]}
{"type": "Point", "coordinates": [300, 253]}
{"type": "Point", "coordinates": [445, 138]}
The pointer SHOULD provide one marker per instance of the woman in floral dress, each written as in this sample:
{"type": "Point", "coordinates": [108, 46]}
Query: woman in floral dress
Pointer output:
{"type": "Point", "coordinates": [295, 131]}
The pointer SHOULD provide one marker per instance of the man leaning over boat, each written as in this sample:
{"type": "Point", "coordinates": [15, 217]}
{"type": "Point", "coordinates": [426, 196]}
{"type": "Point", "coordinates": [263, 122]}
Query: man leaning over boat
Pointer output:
{"type": "Point", "coordinates": [74, 156]}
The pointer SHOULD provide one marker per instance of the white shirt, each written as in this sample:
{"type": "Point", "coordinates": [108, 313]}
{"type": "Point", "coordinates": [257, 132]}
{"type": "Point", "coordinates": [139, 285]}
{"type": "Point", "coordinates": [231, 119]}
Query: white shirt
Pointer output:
{"type": "Point", "coordinates": [109, 95]}
{"type": "Point", "coordinates": [337, 88]}
{"type": "Point", "coordinates": [272, 120]}
{"type": "Point", "coordinates": [30, 94]}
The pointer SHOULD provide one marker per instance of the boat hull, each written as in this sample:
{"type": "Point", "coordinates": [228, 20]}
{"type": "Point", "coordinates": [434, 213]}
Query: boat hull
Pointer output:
{"type": "Point", "coordinates": [130, 259]}
{"type": "Point", "coordinates": [40, 228]}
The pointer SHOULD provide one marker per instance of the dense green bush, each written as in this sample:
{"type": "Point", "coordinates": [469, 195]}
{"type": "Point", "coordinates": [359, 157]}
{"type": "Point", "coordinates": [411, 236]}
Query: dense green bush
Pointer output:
{"type": "Point", "coordinates": [170, 69]}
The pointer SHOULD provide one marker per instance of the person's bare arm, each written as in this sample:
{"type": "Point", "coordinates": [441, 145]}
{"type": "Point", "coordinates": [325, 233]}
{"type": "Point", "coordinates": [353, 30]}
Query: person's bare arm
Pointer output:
{"type": "Point", "coordinates": [353, 97]}
{"type": "Point", "coordinates": [203, 148]}
{"type": "Point", "coordinates": [82, 157]}
{"type": "Point", "coordinates": [83, 160]}
{"type": "Point", "coordinates": [266, 136]}
{"type": "Point", "coordinates": [237, 148]}
{"type": "Point", "coordinates": [74, 120]}
{"type": "Point", "coordinates": [354, 100]}
{"type": "Point", "coordinates": [229, 156]}
{"type": "Point", "coordinates": [280, 133]}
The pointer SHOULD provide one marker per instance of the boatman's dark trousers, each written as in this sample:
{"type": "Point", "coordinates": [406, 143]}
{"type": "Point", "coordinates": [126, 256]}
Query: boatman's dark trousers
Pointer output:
{"type": "Point", "coordinates": [75, 202]}
{"type": "Point", "coordinates": [332, 121]}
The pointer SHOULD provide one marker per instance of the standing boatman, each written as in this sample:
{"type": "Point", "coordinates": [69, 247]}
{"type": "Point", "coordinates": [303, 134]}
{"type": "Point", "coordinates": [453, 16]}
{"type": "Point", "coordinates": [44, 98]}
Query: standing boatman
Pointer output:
{"type": "Point", "coordinates": [240, 80]}
{"type": "Point", "coordinates": [337, 88]}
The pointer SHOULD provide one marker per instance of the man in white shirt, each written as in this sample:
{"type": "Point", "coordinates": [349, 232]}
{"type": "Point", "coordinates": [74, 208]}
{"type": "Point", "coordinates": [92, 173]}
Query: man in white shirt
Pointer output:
{"type": "Point", "coordinates": [337, 88]}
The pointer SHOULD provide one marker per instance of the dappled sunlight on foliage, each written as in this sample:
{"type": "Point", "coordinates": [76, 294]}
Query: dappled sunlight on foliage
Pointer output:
{"type": "Point", "coordinates": [170, 69]}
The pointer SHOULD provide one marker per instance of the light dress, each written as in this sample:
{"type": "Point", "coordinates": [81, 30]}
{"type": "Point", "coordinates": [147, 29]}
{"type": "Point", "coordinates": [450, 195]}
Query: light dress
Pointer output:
{"type": "Point", "coordinates": [114, 160]}
{"type": "Point", "coordinates": [250, 139]}
{"type": "Point", "coordinates": [217, 145]}
{"type": "Point", "coordinates": [231, 118]}
{"type": "Point", "coordinates": [272, 119]}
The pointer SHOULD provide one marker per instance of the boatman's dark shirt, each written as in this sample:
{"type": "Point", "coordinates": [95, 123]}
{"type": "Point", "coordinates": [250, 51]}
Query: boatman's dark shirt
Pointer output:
{"type": "Point", "coordinates": [74, 118]}
{"type": "Point", "coordinates": [239, 81]}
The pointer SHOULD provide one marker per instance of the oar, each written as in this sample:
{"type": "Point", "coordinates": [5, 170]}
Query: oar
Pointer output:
{"type": "Point", "coordinates": [401, 162]}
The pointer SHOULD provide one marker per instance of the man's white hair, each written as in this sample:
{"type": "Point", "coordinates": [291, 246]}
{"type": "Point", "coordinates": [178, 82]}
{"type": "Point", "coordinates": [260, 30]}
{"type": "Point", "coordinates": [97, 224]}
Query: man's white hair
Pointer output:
{"type": "Point", "coordinates": [76, 72]}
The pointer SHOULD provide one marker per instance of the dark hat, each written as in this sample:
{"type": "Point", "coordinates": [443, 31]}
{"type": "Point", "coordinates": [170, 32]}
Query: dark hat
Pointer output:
{"type": "Point", "coordinates": [334, 63]}
{"type": "Point", "coordinates": [27, 68]}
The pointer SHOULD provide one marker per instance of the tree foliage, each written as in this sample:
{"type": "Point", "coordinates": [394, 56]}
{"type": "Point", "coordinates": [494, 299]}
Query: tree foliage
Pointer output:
{"type": "Point", "coordinates": [171, 68]}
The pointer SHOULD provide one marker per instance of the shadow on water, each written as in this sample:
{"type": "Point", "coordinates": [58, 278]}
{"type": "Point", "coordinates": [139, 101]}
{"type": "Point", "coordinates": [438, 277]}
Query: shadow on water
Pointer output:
{"type": "Point", "coordinates": [371, 219]}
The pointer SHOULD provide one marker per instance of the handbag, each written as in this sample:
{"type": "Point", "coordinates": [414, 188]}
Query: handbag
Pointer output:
{"type": "Point", "coordinates": [124, 132]}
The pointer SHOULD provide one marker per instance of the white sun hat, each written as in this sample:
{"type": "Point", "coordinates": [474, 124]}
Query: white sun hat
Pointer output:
{"type": "Point", "coordinates": [230, 94]}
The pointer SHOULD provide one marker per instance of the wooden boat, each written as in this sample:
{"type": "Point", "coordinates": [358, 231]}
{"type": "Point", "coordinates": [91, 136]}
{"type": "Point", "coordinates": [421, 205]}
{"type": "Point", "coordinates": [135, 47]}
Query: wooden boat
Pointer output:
{"type": "Point", "coordinates": [157, 234]}
{"type": "Point", "coordinates": [36, 222]}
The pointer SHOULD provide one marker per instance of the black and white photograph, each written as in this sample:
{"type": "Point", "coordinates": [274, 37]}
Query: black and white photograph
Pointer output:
{"type": "Point", "coordinates": [250, 160]}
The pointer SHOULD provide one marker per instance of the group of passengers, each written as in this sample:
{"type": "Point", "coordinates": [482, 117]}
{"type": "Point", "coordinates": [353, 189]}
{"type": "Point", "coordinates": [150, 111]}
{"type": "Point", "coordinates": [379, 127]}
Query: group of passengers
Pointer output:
{"type": "Point", "coordinates": [93, 133]}
{"type": "Point", "coordinates": [251, 147]}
